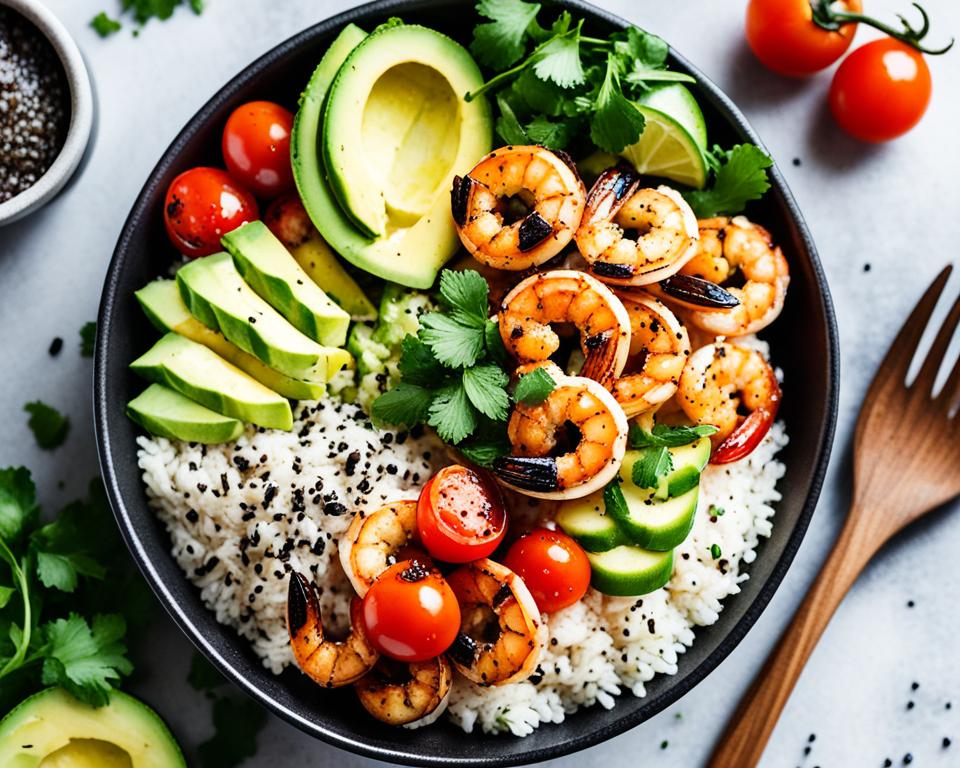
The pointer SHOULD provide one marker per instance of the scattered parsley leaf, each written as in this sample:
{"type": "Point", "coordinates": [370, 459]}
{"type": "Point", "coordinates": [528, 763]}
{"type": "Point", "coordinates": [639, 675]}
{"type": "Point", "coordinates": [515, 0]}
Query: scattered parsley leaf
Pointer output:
{"type": "Point", "coordinates": [49, 426]}
{"type": "Point", "coordinates": [237, 723]}
{"type": "Point", "coordinates": [614, 502]}
{"type": "Point", "coordinates": [405, 405]}
{"type": "Point", "coordinates": [485, 388]}
{"type": "Point", "coordinates": [534, 387]}
{"type": "Point", "coordinates": [665, 435]}
{"type": "Point", "coordinates": [465, 291]}
{"type": "Point", "coordinates": [649, 469]}
{"type": "Point", "coordinates": [103, 25]}
{"type": "Point", "coordinates": [454, 344]}
{"type": "Point", "coordinates": [417, 364]}
{"type": "Point", "coordinates": [18, 502]}
{"type": "Point", "coordinates": [740, 176]}
{"type": "Point", "coordinates": [88, 339]}
{"type": "Point", "coordinates": [617, 123]}
{"type": "Point", "coordinates": [451, 413]}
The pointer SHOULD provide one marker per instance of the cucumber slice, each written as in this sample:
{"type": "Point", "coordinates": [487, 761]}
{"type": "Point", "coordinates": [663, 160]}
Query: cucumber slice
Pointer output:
{"type": "Point", "coordinates": [682, 480]}
{"type": "Point", "coordinates": [586, 521]}
{"type": "Point", "coordinates": [655, 524]}
{"type": "Point", "coordinates": [626, 571]}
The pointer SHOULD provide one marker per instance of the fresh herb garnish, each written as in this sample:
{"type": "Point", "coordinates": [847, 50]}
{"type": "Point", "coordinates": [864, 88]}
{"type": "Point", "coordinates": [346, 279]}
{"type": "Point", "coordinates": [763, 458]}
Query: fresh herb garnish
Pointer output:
{"type": "Point", "coordinates": [715, 551]}
{"type": "Point", "coordinates": [665, 435]}
{"type": "Point", "coordinates": [614, 502]}
{"type": "Point", "coordinates": [534, 387]}
{"type": "Point", "coordinates": [142, 11]}
{"type": "Point", "coordinates": [103, 25]}
{"type": "Point", "coordinates": [88, 338]}
{"type": "Point", "coordinates": [49, 426]}
{"type": "Point", "coordinates": [740, 175]}
{"type": "Point", "coordinates": [654, 465]}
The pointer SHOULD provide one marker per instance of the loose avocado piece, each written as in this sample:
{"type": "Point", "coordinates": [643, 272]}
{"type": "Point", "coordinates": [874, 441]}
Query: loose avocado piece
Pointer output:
{"type": "Point", "coordinates": [627, 571]}
{"type": "Point", "coordinates": [218, 297]}
{"type": "Point", "coordinates": [321, 264]}
{"type": "Point", "coordinates": [162, 304]}
{"type": "Point", "coordinates": [200, 374]}
{"type": "Point", "coordinates": [416, 236]}
{"type": "Point", "coordinates": [399, 316]}
{"type": "Point", "coordinates": [53, 730]}
{"type": "Point", "coordinates": [165, 413]}
{"type": "Point", "coordinates": [267, 267]}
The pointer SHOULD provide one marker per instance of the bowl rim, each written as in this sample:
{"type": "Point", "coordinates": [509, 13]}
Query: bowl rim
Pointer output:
{"type": "Point", "coordinates": [355, 744]}
{"type": "Point", "coordinates": [81, 112]}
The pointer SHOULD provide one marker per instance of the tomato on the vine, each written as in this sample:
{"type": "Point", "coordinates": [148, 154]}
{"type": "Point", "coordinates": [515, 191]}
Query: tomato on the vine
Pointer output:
{"type": "Point", "coordinates": [461, 515]}
{"type": "Point", "coordinates": [410, 613]}
{"type": "Point", "coordinates": [881, 90]}
{"type": "Point", "coordinates": [256, 147]}
{"type": "Point", "coordinates": [786, 39]}
{"type": "Point", "coordinates": [552, 565]}
{"type": "Point", "coordinates": [201, 206]}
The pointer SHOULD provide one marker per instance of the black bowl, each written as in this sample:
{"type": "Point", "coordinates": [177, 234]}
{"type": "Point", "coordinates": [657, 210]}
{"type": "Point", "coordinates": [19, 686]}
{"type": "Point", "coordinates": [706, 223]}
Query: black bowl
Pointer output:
{"type": "Point", "coordinates": [804, 343]}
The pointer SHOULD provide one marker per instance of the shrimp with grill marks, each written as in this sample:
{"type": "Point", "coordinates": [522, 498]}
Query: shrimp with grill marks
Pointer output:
{"type": "Point", "coordinates": [373, 542]}
{"type": "Point", "coordinates": [410, 694]}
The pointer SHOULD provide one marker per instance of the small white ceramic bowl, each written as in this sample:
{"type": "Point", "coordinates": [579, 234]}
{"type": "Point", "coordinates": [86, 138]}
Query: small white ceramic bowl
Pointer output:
{"type": "Point", "coordinates": [81, 113]}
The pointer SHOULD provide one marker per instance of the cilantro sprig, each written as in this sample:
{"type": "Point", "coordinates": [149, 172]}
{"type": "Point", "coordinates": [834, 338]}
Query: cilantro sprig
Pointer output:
{"type": "Point", "coordinates": [663, 435]}
{"type": "Point", "coordinates": [739, 176]}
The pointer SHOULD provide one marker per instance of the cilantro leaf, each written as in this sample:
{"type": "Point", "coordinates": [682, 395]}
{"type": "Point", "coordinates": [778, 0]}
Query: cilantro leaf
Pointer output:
{"type": "Point", "coordinates": [88, 339]}
{"type": "Point", "coordinates": [85, 659]}
{"type": "Point", "coordinates": [551, 134]}
{"type": "Point", "coordinates": [740, 178]}
{"type": "Point", "coordinates": [665, 435]}
{"type": "Point", "coordinates": [639, 48]}
{"type": "Point", "coordinates": [614, 502]}
{"type": "Point", "coordinates": [534, 387]}
{"type": "Point", "coordinates": [237, 723]}
{"type": "Point", "coordinates": [617, 123]}
{"type": "Point", "coordinates": [655, 464]}
{"type": "Point", "coordinates": [103, 25]}
{"type": "Point", "coordinates": [404, 406]}
{"type": "Point", "coordinates": [494, 343]}
{"type": "Point", "coordinates": [508, 126]}
{"type": "Point", "coordinates": [500, 43]}
{"type": "Point", "coordinates": [530, 94]}
{"type": "Point", "coordinates": [453, 342]}
{"type": "Point", "coordinates": [61, 571]}
{"type": "Point", "coordinates": [18, 502]}
{"type": "Point", "coordinates": [417, 364]}
{"type": "Point", "coordinates": [6, 593]}
{"type": "Point", "coordinates": [451, 414]}
{"type": "Point", "coordinates": [483, 453]}
{"type": "Point", "coordinates": [466, 291]}
{"type": "Point", "coordinates": [49, 426]}
{"type": "Point", "coordinates": [558, 59]}
{"type": "Point", "coordinates": [484, 385]}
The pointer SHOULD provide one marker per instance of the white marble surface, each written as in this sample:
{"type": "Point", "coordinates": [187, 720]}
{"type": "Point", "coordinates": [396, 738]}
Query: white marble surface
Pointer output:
{"type": "Point", "coordinates": [894, 207]}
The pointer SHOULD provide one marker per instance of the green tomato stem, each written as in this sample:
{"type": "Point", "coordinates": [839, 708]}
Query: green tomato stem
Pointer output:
{"type": "Point", "coordinates": [827, 17]}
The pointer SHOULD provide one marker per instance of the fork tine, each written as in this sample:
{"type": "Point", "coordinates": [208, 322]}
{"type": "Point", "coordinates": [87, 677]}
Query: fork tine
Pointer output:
{"type": "Point", "coordinates": [931, 366]}
{"type": "Point", "coordinates": [899, 356]}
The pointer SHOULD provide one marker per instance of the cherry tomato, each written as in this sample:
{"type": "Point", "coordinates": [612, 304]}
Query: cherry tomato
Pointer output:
{"type": "Point", "coordinates": [552, 565]}
{"type": "Point", "coordinates": [783, 35]}
{"type": "Point", "coordinates": [288, 220]}
{"type": "Point", "coordinates": [461, 515]}
{"type": "Point", "coordinates": [256, 147]}
{"type": "Point", "coordinates": [881, 90]}
{"type": "Point", "coordinates": [201, 206]}
{"type": "Point", "coordinates": [410, 613]}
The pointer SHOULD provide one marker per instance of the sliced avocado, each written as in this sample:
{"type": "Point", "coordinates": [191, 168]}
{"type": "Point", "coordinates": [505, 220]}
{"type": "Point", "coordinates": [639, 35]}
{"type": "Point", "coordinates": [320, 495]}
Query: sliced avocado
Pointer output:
{"type": "Point", "coordinates": [162, 304]}
{"type": "Point", "coordinates": [165, 413]}
{"type": "Point", "coordinates": [320, 263]}
{"type": "Point", "coordinates": [206, 378]}
{"type": "Point", "coordinates": [272, 272]}
{"type": "Point", "coordinates": [417, 238]}
{"type": "Point", "coordinates": [51, 729]}
{"type": "Point", "coordinates": [217, 296]}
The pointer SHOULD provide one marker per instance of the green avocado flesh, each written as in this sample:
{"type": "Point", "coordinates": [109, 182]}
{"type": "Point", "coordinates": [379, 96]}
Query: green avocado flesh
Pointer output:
{"type": "Point", "coordinates": [200, 374]}
{"type": "Point", "coordinates": [218, 297]}
{"type": "Point", "coordinates": [162, 304]}
{"type": "Point", "coordinates": [51, 729]}
{"type": "Point", "coordinates": [321, 264]}
{"type": "Point", "coordinates": [267, 267]}
{"type": "Point", "coordinates": [395, 130]}
{"type": "Point", "coordinates": [165, 413]}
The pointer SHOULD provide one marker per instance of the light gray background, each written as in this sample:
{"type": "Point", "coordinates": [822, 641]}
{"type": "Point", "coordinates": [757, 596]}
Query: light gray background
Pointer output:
{"type": "Point", "coordinates": [895, 207]}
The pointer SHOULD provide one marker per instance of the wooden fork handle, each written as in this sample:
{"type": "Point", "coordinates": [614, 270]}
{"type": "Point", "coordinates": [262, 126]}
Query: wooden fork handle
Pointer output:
{"type": "Point", "coordinates": [747, 733]}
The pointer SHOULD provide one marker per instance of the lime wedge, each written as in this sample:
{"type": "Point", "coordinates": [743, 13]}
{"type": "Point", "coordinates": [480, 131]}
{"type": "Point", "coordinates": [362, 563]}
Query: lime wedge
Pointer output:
{"type": "Point", "coordinates": [674, 140]}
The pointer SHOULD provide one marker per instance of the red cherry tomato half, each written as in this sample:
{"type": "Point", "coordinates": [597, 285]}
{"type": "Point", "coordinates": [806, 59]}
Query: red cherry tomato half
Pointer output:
{"type": "Point", "coordinates": [461, 515]}
{"type": "Point", "coordinates": [256, 147]}
{"type": "Point", "coordinates": [288, 220]}
{"type": "Point", "coordinates": [552, 565]}
{"type": "Point", "coordinates": [410, 613]}
{"type": "Point", "coordinates": [783, 35]}
{"type": "Point", "coordinates": [201, 206]}
{"type": "Point", "coordinates": [881, 90]}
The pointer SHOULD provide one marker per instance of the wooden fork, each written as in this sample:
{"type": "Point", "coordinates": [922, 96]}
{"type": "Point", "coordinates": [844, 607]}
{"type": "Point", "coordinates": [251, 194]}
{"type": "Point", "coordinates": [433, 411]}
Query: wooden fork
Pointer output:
{"type": "Point", "coordinates": [906, 462]}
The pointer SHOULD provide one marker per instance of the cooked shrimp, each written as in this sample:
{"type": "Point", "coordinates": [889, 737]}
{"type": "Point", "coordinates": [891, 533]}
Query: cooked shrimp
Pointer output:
{"type": "Point", "coordinates": [328, 663]}
{"type": "Point", "coordinates": [665, 224]}
{"type": "Point", "coordinates": [566, 296]}
{"type": "Point", "coordinates": [534, 432]}
{"type": "Point", "coordinates": [728, 246]}
{"type": "Point", "coordinates": [499, 640]}
{"type": "Point", "coordinates": [659, 348]}
{"type": "Point", "coordinates": [542, 182]}
{"type": "Point", "coordinates": [734, 389]}
{"type": "Point", "coordinates": [372, 542]}
{"type": "Point", "coordinates": [411, 694]}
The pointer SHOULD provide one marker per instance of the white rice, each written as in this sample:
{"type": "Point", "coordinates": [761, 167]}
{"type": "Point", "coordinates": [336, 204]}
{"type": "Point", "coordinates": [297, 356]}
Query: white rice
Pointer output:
{"type": "Point", "coordinates": [238, 546]}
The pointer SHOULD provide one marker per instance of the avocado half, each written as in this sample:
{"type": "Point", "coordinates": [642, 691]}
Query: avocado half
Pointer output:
{"type": "Point", "coordinates": [381, 131]}
{"type": "Point", "coordinates": [54, 728]}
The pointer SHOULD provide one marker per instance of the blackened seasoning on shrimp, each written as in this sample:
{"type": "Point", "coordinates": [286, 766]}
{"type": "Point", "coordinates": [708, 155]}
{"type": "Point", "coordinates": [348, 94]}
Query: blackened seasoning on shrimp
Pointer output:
{"type": "Point", "coordinates": [34, 110]}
